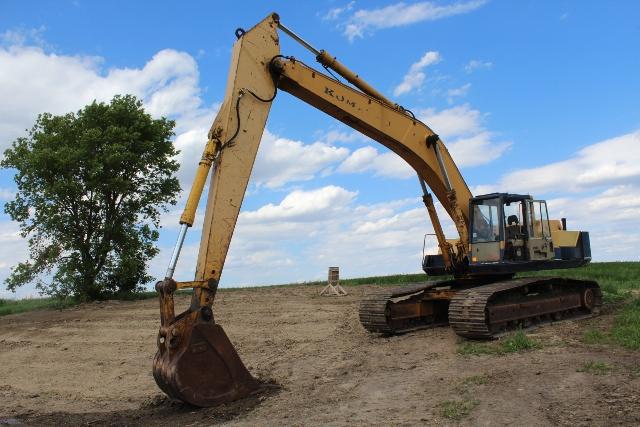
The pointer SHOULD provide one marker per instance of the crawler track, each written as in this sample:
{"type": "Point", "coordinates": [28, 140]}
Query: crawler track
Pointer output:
{"type": "Point", "coordinates": [375, 310]}
{"type": "Point", "coordinates": [480, 312]}
{"type": "Point", "coordinates": [487, 311]}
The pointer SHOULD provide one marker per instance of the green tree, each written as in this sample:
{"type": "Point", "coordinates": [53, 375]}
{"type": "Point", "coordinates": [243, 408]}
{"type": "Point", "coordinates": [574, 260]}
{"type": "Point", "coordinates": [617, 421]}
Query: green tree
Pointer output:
{"type": "Point", "coordinates": [91, 187]}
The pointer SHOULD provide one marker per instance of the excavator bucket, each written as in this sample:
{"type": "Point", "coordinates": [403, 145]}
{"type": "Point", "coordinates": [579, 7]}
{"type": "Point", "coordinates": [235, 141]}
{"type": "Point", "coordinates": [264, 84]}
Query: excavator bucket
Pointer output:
{"type": "Point", "coordinates": [196, 363]}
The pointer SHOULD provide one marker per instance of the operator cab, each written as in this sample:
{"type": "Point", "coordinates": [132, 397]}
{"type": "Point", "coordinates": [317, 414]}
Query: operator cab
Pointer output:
{"type": "Point", "coordinates": [510, 228]}
{"type": "Point", "coordinates": [511, 233]}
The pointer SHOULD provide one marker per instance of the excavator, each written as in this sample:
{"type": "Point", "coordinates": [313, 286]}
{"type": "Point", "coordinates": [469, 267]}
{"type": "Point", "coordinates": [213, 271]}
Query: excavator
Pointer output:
{"type": "Point", "coordinates": [499, 234]}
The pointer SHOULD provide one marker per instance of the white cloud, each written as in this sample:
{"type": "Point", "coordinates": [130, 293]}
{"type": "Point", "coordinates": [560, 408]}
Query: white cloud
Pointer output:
{"type": "Point", "coordinates": [415, 76]}
{"type": "Point", "coordinates": [168, 84]}
{"type": "Point", "coordinates": [6, 194]}
{"type": "Point", "coordinates": [610, 162]}
{"type": "Point", "coordinates": [458, 92]}
{"type": "Point", "coordinates": [366, 21]}
{"type": "Point", "coordinates": [337, 136]}
{"type": "Point", "coordinates": [460, 127]}
{"type": "Point", "coordinates": [609, 216]}
{"type": "Point", "coordinates": [22, 36]}
{"type": "Point", "coordinates": [386, 164]}
{"type": "Point", "coordinates": [476, 64]}
{"type": "Point", "coordinates": [13, 248]}
{"type": "Point", "coordinates": [281, 160]}
{"type": "Point", "coordinates": [478, 149]}
{"type": "Point", "coordinates": [460, 120]}
{"type": "Point", "coordinates": [300, 205]}
{"type": "Point", "coordinates": [478, 190]}
{"type": "Point", "coordinates": [336, 12]}
{"type": "Point", "coordinates": [297, 244]}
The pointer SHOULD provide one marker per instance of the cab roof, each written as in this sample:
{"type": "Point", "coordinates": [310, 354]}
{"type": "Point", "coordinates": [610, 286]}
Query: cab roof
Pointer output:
{"type": "Point", "coordinates": [506, 197]}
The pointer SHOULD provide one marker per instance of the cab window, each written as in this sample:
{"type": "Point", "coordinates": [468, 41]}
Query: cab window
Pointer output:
{"type": "Point", "coordinates": [486, 224]}
{"type": "Point", "coordinates": [513, 220]}
{"type": "Point", "coordinates": [538, 219]}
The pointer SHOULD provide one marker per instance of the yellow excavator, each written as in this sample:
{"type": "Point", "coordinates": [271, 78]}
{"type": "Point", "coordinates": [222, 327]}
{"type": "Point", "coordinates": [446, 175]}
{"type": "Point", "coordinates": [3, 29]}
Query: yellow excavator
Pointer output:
{"type": "Point", "coordinates": [499, 234]}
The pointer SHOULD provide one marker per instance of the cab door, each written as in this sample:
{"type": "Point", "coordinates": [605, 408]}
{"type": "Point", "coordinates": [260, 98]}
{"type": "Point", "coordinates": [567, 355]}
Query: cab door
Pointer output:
{"type": "Point", "coordinates": [486, 233]}
{"type": "Point", "coordinates": [515, 234]}
{"type": "Point", "coordinates": [539, 245]}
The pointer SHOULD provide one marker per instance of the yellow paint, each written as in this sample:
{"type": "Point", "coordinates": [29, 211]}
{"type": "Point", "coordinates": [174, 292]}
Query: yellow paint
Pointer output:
{"type": "Point", "coordinates": [565, 238]}
{"type": "Point", "coordinates": [249, 70]}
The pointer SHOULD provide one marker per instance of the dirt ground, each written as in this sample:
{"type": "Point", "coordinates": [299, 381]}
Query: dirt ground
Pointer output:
{"type": "Point", "coordinates": [91, 365]}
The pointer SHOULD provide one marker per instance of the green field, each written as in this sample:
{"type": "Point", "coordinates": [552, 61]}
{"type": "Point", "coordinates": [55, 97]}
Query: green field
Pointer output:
{"type": "Point", "coordinates": [620, 283]}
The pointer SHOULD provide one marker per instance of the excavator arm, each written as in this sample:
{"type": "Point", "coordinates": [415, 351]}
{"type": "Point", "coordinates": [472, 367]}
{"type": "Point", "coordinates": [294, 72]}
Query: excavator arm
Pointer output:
{"type": "Point", "coordinates": [393, 127]}
{"type": "Point", "coordinates": [195, 361]}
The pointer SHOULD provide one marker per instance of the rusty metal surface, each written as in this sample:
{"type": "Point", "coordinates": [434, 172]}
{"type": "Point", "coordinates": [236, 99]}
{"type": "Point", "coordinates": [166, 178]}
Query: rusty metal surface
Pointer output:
{"type": "Point", "coordinates": [487, 311]}
{"type": "Point", "coordinates": [403, 309]}
{"type": "Point", "coordinates": [535, 307]}
{"type": "Point", "coordinates": [195, 362]}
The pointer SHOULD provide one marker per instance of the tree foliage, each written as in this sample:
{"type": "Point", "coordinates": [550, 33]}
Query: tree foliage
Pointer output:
{"type": "Point", "coordinates": [91, 186]}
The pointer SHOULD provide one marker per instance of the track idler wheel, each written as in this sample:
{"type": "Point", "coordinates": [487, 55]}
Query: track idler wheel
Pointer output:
{"type": "Point", "coordinates": [588, 299]}
{"type": "Point", "coordinates": [196, 363]}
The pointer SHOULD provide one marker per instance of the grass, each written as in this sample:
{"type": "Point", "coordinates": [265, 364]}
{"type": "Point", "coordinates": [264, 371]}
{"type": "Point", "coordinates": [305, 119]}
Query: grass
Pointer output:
{"type": "Point", "coordinates": [395, 279]}
{"type": "Point", "coordinates": [472, 348]}
{"type": "Point", "coordinates": [10, 306]}
{"type": "Point", "coordinates": [458, 409]}
{"type": "Point", "coordinates": [518, 342]}
{"type": "Point", "coordinates": [625, 330]}
{"type": "Point", "coordinates": [595, 336]}
{"type": "Point", "coordinates": [30, 304]}
{"type": "Point", "coordinates": [514, 343]}
{"type": "Point", "coordinates": [626, 326]}
{"type": "Point", "coordinates": [616, 279]}
{"type": "Point", "coordinates": [595, 368]}
{"type": "Point", "coordinates": [474, 380]}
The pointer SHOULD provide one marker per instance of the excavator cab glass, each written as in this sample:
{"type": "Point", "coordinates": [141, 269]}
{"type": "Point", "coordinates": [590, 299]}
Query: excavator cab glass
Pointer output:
{"type": "Point", "coordinates": [501, 225]}
{"type": "Point", "coordinates": [486, 229]}
{"type": "Point", "coordinates": [515, 231]}
{"type": "Point", "coordinates": [486, 221]}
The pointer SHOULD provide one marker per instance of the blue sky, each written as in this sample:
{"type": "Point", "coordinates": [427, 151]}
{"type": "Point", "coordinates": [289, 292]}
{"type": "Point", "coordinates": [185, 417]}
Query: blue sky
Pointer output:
{"type": "Point", "coordinates": [535, 97]}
